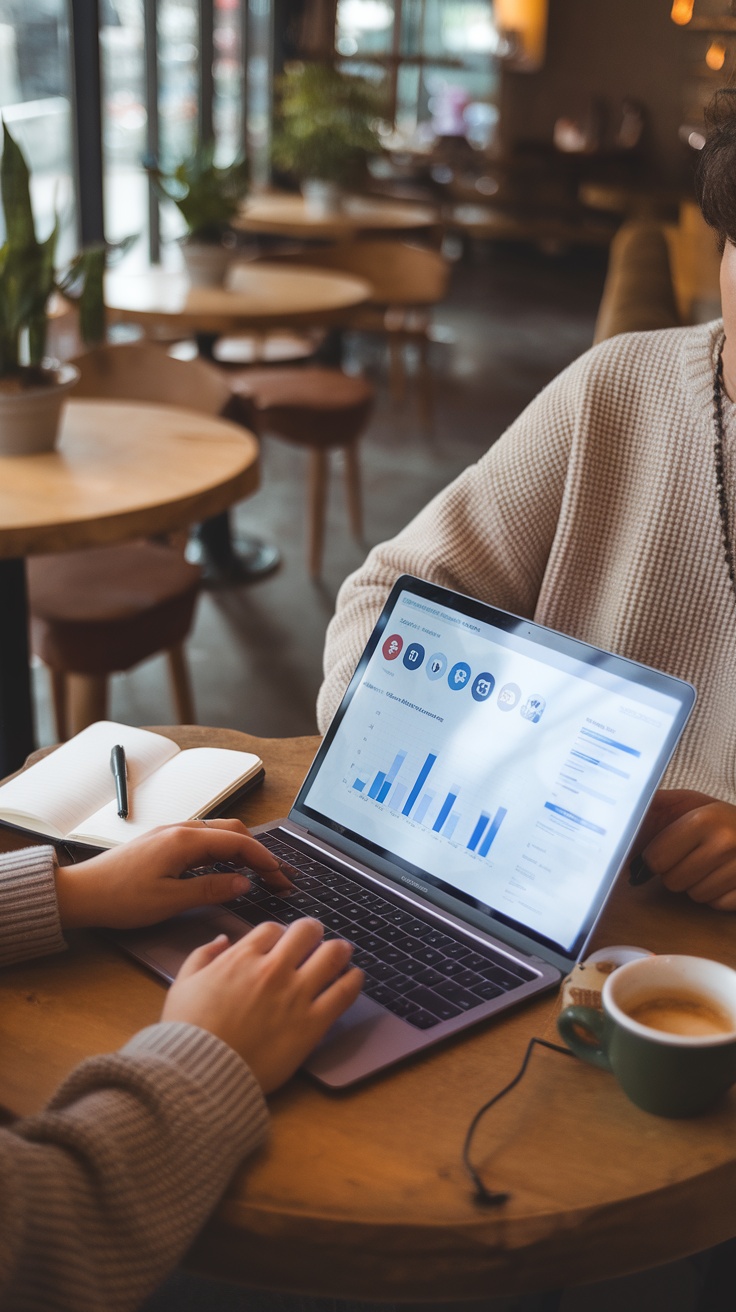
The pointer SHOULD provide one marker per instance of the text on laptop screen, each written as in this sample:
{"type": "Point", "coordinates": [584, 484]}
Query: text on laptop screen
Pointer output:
{"type": "Point", "coordinates": [506, 770]}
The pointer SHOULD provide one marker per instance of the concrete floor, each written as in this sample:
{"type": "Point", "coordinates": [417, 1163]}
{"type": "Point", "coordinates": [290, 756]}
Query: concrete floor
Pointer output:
{"type": "Point", "coordinates": [514, 318]}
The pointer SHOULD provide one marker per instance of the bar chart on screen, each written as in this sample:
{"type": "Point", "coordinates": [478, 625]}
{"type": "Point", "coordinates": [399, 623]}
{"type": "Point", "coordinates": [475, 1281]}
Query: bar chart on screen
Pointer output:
{"type": "Point", "coordinates": [427, 789]}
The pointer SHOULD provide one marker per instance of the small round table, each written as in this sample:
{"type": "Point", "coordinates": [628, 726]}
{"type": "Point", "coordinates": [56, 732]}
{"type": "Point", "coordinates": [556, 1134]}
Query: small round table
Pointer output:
{"type": "Point", "coordinates": [283, 215]}
{"type": "Point", "coordinates": [121, 470]}
{"type": "Point", "coordinates": [266, 296]}
{"type": "Point", "coordinates": [362, 1194]}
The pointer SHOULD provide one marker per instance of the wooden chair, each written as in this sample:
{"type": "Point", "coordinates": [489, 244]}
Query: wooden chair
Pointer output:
{"type": "Point", "coordinates": [105, 609]}
{"type": "Point", "coordinates": [407, 280]}
{"type": "Point", "coordinates": [318, 408]}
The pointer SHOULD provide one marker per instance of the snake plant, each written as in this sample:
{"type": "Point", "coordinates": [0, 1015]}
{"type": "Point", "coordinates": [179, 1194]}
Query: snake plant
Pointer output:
{"type": "Point", "coordinates": [28, 276]}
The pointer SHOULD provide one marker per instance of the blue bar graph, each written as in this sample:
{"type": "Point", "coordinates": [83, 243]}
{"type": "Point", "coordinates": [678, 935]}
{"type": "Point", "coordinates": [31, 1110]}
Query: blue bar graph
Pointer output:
{"type": "Point", "coordinates": [450, 825]}
{"type": "Point", "coordinates": [396, 765]}
{"type": "Point", "coordinates": [375, 787]}
{"type": "Point", "coordinates": [445, 810]}
{"type": "Point", "coordinates": [420, 781]}
{"type": "Point", "coordinates": [381, 786]}
{"type": "Point", "coordinates": [493, 829]}
{"type": "Point", "coordinates": [397, 796]}
{"type": "Point", "coordinates": [359, 785]}
{"type": "Point", "coordinates": [423, 807]}
{"type": "Point", "coordinates": [475, 836]}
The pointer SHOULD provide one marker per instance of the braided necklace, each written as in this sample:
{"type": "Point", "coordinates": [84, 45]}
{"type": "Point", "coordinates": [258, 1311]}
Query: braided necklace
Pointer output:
{"type": "Point", "coordinates": [720, 464]}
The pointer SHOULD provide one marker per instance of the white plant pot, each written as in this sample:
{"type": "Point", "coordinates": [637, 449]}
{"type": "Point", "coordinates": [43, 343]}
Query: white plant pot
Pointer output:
{"type": "Point", "coordinates": [29, 417]}
{"type": "Point", "coordinates": [321, 199]}
{"type": "Point", "coordinates": [206, 262]}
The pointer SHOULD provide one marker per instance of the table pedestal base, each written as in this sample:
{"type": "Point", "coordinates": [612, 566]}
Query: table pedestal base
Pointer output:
{"type": "Point", "coordinates": [227, 559]}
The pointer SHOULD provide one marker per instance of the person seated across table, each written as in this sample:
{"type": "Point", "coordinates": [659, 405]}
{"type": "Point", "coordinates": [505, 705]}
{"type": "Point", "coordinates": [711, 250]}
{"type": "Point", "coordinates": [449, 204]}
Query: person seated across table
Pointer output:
{"type": "Point", "coordinates": [608, 511]}
{"type": "Point", "coordinates": [103, 1191]}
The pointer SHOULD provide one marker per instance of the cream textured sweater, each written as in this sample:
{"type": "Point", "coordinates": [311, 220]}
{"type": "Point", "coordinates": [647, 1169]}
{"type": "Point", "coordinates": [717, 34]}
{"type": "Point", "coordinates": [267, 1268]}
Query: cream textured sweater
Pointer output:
{"type": "Point", "coordinates": [596, 514]}
{"type": "Point", "coordinates": [102, 1193]}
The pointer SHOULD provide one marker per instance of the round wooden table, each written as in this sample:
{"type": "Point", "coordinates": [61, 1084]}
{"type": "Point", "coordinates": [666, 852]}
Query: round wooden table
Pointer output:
{"type": "Point", "coordinates": [267, 296]}
{"type": "Point", "coordinates": [264, 296]}
{"type": "Point", "coordinates": [121, 470]}
{"type": "Point", "coordinates": [284, 215]}
{"type": "Point", "coordinates": [363, 1194]}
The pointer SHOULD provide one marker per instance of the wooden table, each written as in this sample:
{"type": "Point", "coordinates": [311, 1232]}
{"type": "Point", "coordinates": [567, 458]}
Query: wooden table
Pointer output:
{"type": "Point", "coordinates": [363, 1194]}
{"type": "Point", "coordinates": [268, 296]}
{"type": "Point", "coordinates": [286, 215]}
{"type": "Point", "coordinates": [121, 470]}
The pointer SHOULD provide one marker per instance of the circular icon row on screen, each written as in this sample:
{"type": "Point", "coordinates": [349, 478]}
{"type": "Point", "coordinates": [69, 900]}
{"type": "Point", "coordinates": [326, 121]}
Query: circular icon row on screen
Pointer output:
{"type": "Point", "coordinates": [460, 676]}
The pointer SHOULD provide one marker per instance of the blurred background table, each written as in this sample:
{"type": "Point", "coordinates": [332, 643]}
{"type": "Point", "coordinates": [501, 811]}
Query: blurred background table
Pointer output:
{"type": "Point", "coordinates": [283, 215]}
{"type": "Point", "coordinates": [121, 470]}
{"type": "Point", "coordinates": [265, 297]}
{"type": "Point", "coordinates": [363, 1194]}
{"type": "Point", "coordinates": [268, 296]}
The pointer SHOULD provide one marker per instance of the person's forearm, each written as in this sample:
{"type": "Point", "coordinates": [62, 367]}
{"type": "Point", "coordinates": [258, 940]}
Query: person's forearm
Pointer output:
{"type": "Point", "coordinates": [29, 914]}
{"type": "Point", "coordinates": [102, 1193]}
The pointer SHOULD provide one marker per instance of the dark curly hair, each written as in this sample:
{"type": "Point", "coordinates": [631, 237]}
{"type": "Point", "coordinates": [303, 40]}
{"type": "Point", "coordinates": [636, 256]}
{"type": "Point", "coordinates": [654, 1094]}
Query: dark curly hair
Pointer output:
{"type": "Point", "coordinates": [715, 176]}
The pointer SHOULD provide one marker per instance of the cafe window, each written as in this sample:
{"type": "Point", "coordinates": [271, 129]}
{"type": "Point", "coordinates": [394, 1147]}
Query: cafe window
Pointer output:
{"type": "Point", "coordinates": [35, 102]}
{"type": "Point", "coordinates": [438, 58]}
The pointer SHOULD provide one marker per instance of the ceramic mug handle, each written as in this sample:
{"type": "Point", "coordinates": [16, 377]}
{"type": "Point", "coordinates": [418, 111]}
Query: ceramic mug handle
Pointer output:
{"type": "Point", "coordinates": [584, 1032]}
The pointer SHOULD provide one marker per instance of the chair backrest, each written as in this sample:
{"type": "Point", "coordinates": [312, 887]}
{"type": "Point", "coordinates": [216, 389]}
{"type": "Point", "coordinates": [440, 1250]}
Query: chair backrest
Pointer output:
{"type": "Point", "coordinates": [145, 372]}
{"type": "Point", "coordinates": [638, 294]}
{"type": "Point", "coordinates": [399, 272]}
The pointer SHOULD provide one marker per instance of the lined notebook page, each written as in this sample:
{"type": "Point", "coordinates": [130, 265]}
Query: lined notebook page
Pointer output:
{"type": "Point", "coordinates": [56, 794]}
{"type": "Point", "coordinates": [185, 787]}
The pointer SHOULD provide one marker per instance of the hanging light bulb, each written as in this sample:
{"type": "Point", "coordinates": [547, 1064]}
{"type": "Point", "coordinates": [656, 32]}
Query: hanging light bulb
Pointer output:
{"type": "Point", "coordinates": [715, 56]}
{"type": "Point", "coordinates": [522, 25]}
{"type": "Point", "coordinates": [682, 12]}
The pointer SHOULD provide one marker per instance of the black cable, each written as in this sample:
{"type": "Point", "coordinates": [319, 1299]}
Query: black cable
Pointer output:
{"type": "Point", "coordinates": [486, 1197]}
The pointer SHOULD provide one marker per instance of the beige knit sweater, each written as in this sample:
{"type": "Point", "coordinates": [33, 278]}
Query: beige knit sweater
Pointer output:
{"type": "Point", "coordinates": [102, 1193]}
{"type": "Point", "coordinates": [596, 514]}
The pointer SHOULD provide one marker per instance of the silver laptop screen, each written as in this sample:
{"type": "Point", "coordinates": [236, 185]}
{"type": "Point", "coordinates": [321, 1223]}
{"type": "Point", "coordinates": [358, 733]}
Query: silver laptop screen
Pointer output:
{"type": "Point", "coordinates": [505, 764]}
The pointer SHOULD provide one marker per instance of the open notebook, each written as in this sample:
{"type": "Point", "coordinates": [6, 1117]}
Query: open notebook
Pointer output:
{"type": "Point", "coordinates": [70, 795]}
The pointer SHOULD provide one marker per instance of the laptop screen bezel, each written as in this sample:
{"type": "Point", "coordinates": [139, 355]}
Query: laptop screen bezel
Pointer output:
{"type": "Point", "coordinates": [430, 887]}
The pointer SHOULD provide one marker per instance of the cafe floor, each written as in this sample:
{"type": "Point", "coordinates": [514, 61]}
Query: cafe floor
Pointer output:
{"type": "Point", "coordinates": [514, 318]}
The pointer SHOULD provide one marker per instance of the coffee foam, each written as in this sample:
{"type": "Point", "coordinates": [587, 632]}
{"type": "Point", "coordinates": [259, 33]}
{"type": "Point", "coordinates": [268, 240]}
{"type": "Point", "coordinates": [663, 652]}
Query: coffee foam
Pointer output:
{"type": "Point", "coordinates": [679, 1012]}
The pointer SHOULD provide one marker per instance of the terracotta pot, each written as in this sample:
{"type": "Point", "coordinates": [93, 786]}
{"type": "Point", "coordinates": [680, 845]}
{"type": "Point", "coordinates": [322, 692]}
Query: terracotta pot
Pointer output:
{"type": "Point", "coordinates": [206, 262]}
{"type": "Point", "coordinates": [29, 416]}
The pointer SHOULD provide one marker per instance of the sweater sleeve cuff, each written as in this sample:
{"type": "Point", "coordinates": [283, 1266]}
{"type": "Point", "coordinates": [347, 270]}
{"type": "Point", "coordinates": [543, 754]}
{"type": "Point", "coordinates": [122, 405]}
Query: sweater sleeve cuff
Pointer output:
{"type": "Point", "coordinates": [29, 913]}
{"type": "Point", "coordinates": [222, 1076]}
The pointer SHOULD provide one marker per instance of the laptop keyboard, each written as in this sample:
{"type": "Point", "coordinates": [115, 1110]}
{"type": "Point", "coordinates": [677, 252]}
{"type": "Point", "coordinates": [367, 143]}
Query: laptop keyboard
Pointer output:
{"type": "Point", "coordinates": [415, 970]}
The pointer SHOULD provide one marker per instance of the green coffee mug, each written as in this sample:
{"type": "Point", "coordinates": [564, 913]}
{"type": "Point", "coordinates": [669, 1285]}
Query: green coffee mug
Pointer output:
{"type": "Point", "coordinates": [667, 1032]}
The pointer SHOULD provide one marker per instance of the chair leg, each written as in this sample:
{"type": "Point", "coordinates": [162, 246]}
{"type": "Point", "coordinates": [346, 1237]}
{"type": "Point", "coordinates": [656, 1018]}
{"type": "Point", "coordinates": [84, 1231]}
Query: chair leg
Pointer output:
{"type": "Point", "coordinates": [58, 697]}
{"type": "Point", "coordinates": [87, 700]}
{"type": "Point", "coordinates": [318, 471]}
{"type": "Point", "coordinates": [181, 686]}
{"type": "Point", "coordinates": [352, 484]}
{"type": "Point", "coordinates": [397, 369]}
{"type": "Point", "coordinates": [425, 383]}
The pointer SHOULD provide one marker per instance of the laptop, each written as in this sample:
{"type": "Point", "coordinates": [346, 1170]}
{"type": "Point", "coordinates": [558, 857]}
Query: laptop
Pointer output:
{"type": "Point", "coordinates": [462, 823]}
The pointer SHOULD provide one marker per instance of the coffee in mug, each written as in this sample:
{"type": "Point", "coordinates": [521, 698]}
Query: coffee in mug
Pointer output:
{"type": "Point", "coordinates": [667, 1031]}
{"type": "Point", "coordinates": [678, 1012]}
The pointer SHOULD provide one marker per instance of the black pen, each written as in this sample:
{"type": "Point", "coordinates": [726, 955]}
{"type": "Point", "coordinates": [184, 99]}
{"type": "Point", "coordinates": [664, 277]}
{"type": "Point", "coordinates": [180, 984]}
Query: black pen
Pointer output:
{"type": "Point", "coordinates": [119, 768]}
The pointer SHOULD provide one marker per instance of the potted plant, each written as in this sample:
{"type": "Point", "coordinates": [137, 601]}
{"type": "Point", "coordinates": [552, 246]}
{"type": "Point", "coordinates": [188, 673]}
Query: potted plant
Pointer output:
{"type": "Point", "coordinates": [33, 387]}
{"type": "Point", "coordinates": [208, 198]}
{"type": "Point", "coordinates": [326, 131]}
